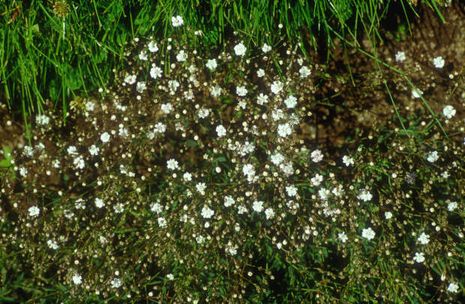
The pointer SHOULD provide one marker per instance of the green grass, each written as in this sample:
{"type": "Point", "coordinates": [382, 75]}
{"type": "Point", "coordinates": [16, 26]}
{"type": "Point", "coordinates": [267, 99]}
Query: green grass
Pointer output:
{"type": "Point", "coordinates": [48, 55]}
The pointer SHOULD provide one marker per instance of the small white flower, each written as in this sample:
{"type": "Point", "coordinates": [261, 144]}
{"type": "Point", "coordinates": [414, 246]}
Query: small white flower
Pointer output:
{"type": "Point", "coordinates": [173, 85]}
{"type": "Point", "coordinates": [220, 131]}
{"type": "Point", "coordinates": [432, 156]}
{"type": "Point", "coordinates": [156, 207]}
{"type": "Point", "coordinates": [365, 196]}
{"type": "Point", "coordinates": [260, 73]}
{"type": "Point", "coordinates": [388, 215]}
{"type": "Point", "coordinates": [141, 86]}
{"type": "Point", "coordinates": [317, 180]}
{"type": "Point", "coordinates": [105, 137]}
{"type": "Point", "coordinates": [228, 201]}
{"type": "Point", "coordinates": [177, 21]}
{"type": "Point", "coordinates": [93, 150]}
{"type": "Point", "coordinates": [257, 206]}
{"type": "Point", "coordinates": [439, 62]}
{"type": "Point", "coordinates": [240, 49]}
{"type": "Point", "coordinates": [291, 191]}
{"type": "Point", "coordinates": [211, 64]}
{"type": "Point", "coordinates": [77, 279]}
{"type": "Point", "coordinates": [423, 238]}
{"type": "Point", "coordinates": [400, 56]}
{"type": "Point", "coordinates": [266, 48]}
{"type": "Point", "coordinates": [453, 287]}
{"type": "Point", "coordinates": [162, 222]}
{"type": "Point", "coordinates": [249, 171]}
{"type": "Point", "coordinates": [316, 156]}
{"type": "Point", "coordinates": [269, 213]}
{"type": "Point", "coordinates": [277, 86]}
{"type": "Point", "coordinates": [181, 56]}
{"type": "Point", "coordinates": [262, 99]}
{"type": "Point", "coordinates": [143, 56]}
{"type": "Point", "coordinates": [155, 72]}
{"type": "Point", "coordinates": [207, 212]}
{"type": "Point", "coordinates": [42, 120]}
{"type": "Point", "coordinates": [153, 47]}
{"type": "Point", "coordinates": [72, 150]}
{"type": "Point", "coordinates": [452, 206]}
{"type": "Point", "coordinates": [368, 233]}
{"type": "Point", "coordinates": [347, 160]}
{"type": "Point", "coordinates": [170, 276]}
{"type": "Point", "coordinates": [277, 158]}
{"type": "Point", "coordinates": [342, 236]}
{"type": "Point", "coordinates": [130, 79]}
{"type": "Point", "coordinates": [187, 177]}
{"type": "Point", "coordinates": [34, 211]}
{"type": "Point", "coordinates": [172, 164]}
{"type": "Point", "coordinates": [116, 283]}
{"type": "Point", "coordinates": [290, 102]}
{"type": "Point", "coordinates": [304, 72]}
{"type": "Point", "coordinates": [216, 91]}
{"type": "Point", "coordinates": [419, 257]}
{"type": "Point", "coordinates": [241, 91]}
{"type": "Point", "coordinates": [200, 187]}
{"type": "Point", "coordinates": [52, 244]}
{"type": "Point", "coordinates": [284, 130]}
{"type": "Point", "coordinates": [166, 108]}
{"type": "Point", "coordinates": [416, 93]}
{"type": "Point", "coordinates": [449, 111]}
{"type": "Point", "coordinates": [99, 203]}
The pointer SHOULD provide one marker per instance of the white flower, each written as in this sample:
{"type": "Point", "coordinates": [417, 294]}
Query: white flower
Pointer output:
{"type": "Point", "coordinates": [181, 56]}
{"type": "Point", "coordinates": [266, 48]}
{"type": "Point", "coordinates": [143, 56]}
{"type": "Point", "coordinates": [187, 177]}
{"type": "Point", "coordinates": [423, 239]}
{"type": "Point", "coordinates": [162, 222]}
{"type": "Point", "coordinates": [432, 156]}
{"type": "Point", "coordinates": [166, 108]}
{"type": "Point", "coordinates": [365, 196]}
{"type": "Point", "coordinates": [269, 213]}
{"type": "Point", "coordinates": [99, 203]}
{"type": "Point", "coordinates": [42, 120]}
{"type": "Point", "coordinates": [216, 91]}
{"type": "Point", "coordinates": [211, 64]}
{"type": "Point", "coordinates": [248, 171]}
{"type": "Point", "coordinates": [453, 287]}
{"type": "Point", "coordinates": [93, 150]}
{"type": "Point", "coordinates": [347, 160]}
{"type": "Point", "coordinates": [207, 212]}
{"type": "Point", "coordinates": [23, 171]}
{"type": "Point", "coordinates": [105, 137]}
{"type": "Point", "coordinates": [170, 276]}
{"type": "Point", "coordinates": [203, 113]}
{"type": "Point", "coordinates": [290, 102]}
{"type": "Point", "coordinates": [228, 201]}
{"type": "Point", "coordinates": [241, 91]}
{"type": "Point", "coordinates": [277, 158]}
{"type": "Point", "coordinates": [262, 99]}
{"type": "Point", "coordinates": [153, 47]}
{"type": "Point", "coordinates": [284, 130]}
{"type": "Point", "coordinates": [400, 56]}
{"type": "Point", "coordinates": [155, 72]}
{"type": "Point", "coordinates": [277, 86]}
{"type": "Point", "coordinates": [130, 79]}
{"type": "Point", "coordinates": [342, 236]}
{"type": "Point", "coordinates": [257, 206]}
{"type": "Point", "coordinates": [200, 187]}
{"type": "Point", "coordinates": [116, 283]}
{"type": "Point", "coordinates": [173, 85]}
{"type": "Point", "coordinates": [177, 21]}
{"type": "Point", "coordinates": [172, 164]}
{"type": "Point", "coordinates": [449, 111]}
{"type": "Point", "coordinates": [52, 244]}
{"type": "Point", "coordinates": [240, 49]}
{"type": "Point", "coordinates": [368, 233]}
{"type": "Point", "coordinates": [156, 207]}
{"type": "Point", "coordinates": [452, 206]}
{"type": "Point", "coordinates": [419, 257]}
{"type": "Point", "coordinates": [439, 62]}
{"type": "Point", "coordinates": [316, 180]}
{"type": "Point", "coordinates": [220, 131]}
{"type": "Point", "coordinates": [316, 156]}
{"type": "Point", "coordinates": [141, 86]}
{"type": "Point", "coordinates": [291, 191]}
{"type": "Point", "coordinates": [72, 150]}
{"type": "Point", "coordinates": [416, 93]}
{"type": "Point", "coordinates": [33, 211]}
{"type": "Point", "coordinates": [304, 72]}
{"type": "Point", "coordinates": [260, 73]}
{"type": "Point", "coordinates": [388, 215]}
{"type": "Point", "coordinates": [77, 279]}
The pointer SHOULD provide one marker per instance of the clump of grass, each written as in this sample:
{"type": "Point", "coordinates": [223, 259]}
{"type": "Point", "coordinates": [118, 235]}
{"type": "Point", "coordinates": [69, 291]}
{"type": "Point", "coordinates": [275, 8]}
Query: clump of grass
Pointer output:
{"type": "Point", "coordinates": [198, 178]}
{"type": "Point", "coordinates": [56, 50]}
